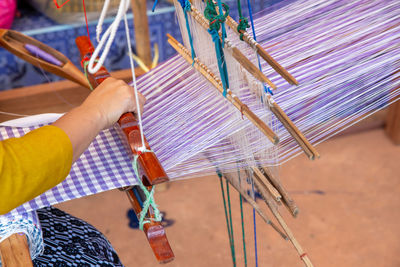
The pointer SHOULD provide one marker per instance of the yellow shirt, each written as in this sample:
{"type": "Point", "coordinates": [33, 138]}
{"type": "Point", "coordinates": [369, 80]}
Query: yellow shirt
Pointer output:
{"type": "Point", "coordinates": [32, 164]}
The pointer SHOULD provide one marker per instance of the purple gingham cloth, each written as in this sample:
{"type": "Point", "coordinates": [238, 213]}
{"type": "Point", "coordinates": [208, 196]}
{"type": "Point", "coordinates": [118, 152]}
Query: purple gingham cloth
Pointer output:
{"type": "Point", "coordinates": [91, 174]}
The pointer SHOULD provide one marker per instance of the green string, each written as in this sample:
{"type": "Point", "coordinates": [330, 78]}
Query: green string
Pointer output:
{"type": "Point", "coordinates": [228, 225]}
{"type": "Point", "coordinates": [149, 197]}
{"type": "Point", "coordinates": [85, 64]}
{"type": "Point", "coordinates": [243, 21]}
{"type": "Point", "coordinates": [231, 226]}
{"type": "Point", "coordinates": [187, 9]}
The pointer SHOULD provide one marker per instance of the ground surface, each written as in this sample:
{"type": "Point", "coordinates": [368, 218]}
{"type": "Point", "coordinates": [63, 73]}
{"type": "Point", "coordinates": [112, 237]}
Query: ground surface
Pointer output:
{"type": "Point", "coordinates": [349, 201]}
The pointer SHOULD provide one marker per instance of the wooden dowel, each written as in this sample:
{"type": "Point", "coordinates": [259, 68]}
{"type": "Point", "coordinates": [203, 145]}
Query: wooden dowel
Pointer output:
{"type": "Point", "coordinates": [267, 185]}
{"type": "Point", "coordinates": [14, 251]}
{"type": "Point", "coordinates": [298, 136]}
{"type": "Point", "coordinates": [235, 52]}
{"type": "Point", "coordinates": [244, 109]}
{"type": "Point", "coordinates": [270, 202]}
{"type": "Point", "coordinates": [256, 207]}
{"type": "Point", "coordinates": [269, 59]}
{"type": "Point", "coordinates": [286, 199]}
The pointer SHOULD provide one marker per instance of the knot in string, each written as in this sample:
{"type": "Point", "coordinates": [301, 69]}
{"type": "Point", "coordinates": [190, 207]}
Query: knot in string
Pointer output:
{"type": "Point", "coordinates": [149, 201]}
{"type": "Point", "coordinates": [243, 25]}
{"type": "Point", "coordinates": [215, 19]}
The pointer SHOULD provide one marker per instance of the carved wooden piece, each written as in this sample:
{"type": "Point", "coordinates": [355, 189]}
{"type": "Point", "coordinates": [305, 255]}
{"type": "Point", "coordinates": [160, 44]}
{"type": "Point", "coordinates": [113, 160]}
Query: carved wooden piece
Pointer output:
{"type": "Point", "coordinates": [14, 251]}
{"type": "Point", "coordinates": [14, 42]}
{"type": "Point", "coordinates": [153, 230]}
{"type": "Point", "coordinates": [150, 166]}
{"type": "Point", "coordinates": [150, 170]}
{"type": "Point", "coordinates": [244, 109]}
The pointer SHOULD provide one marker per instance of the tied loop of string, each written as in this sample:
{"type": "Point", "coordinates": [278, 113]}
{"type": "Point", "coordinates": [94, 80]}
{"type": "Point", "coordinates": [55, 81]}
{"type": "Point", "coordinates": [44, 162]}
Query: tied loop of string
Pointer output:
{"type": "Point", "coordinates": [149, 202]}
{"type": "Point", "coordinates": [84, 64]}
{"type": "Point", "coordinates": [243, 21]}
{"type": "Point", "coordinates": [107, 38]}
{"type": "Point", "coordinates": [187, 7]}
{"type": "Point", "coordinates": [216, 21]}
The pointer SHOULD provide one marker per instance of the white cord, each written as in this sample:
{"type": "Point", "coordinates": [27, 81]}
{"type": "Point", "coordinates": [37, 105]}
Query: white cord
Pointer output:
{"type": "Point", "coordinates": [107, 38]}
{"type": "Point", "coordinates": [139, 115]}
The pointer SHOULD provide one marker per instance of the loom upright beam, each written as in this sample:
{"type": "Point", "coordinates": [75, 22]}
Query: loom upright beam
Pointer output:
{"type": "Point", "coordinates": [142, 36]}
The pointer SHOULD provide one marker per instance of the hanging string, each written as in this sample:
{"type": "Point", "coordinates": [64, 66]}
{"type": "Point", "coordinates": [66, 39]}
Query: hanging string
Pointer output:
{"type": "Point", "coordinates": [267, 90]}
{"type": "Point", "coordinates": [243, 21]}
{"type": "Point", "coordinates": [254, 226]}
{"type": "Point", "coordinates": [108, 36]}
{"type": "Point", "coordinates": [132, 64]}
{"type": "Point", "coordinates": [186, 6]}
{"type": "Point", "coordinates": [216, 20]}
{"type": "Point", "coordinates": [228, 222]}
{"type": "Point", "coordinates": [149, 201]}
{"type": "Point", "coordinates": [242, 222]}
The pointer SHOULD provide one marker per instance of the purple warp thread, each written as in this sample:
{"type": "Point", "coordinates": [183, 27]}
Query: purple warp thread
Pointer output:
{"type": "Point", "coordinates": [36, 51]}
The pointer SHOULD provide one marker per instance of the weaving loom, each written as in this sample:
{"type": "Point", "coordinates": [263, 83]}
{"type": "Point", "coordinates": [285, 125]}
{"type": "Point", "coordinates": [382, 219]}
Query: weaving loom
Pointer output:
{"type": "Point", "coordinates": [344, 56]}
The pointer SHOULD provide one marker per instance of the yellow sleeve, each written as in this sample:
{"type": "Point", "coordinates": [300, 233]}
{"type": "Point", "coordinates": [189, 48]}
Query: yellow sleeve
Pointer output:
{"type": "Point", "coordinates": [32, 164]}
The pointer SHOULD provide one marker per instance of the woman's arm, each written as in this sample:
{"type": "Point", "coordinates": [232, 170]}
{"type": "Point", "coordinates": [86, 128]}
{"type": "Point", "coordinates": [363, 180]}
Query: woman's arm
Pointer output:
{"type": "Point", "coordinates": [36, 162]}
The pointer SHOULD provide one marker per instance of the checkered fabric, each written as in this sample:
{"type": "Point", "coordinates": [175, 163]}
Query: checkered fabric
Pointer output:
{"type": "Point", "coordinates": [91, 174]}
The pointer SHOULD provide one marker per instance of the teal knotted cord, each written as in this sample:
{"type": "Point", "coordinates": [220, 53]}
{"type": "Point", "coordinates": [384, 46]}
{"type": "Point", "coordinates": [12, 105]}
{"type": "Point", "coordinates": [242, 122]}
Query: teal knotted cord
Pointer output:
{"type": "Point", "coordinates": [149, 198]}
{"type": "Point", "coordinates": [216, 21]}
{"type": "Point", "coordinates": [228, 225]}
{"type": "Point", "coordinates": [243, 21]}
{"type": "Point", "coordinates": [186, 6]}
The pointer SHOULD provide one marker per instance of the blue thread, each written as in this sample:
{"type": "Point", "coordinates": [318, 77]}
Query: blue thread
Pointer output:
{"type": "Point", "coordinates": [221, 12]}
{"type": "Point", "coordinates": [266, 89]}
{"type": "Point", "coordinates": [186, 9]}
{"type": "Point", "coordinates": [221, 60]}
{"type": "Point", "coordinates": [154, 6]}
{"type": "Point", "coordinates": [255, 230]}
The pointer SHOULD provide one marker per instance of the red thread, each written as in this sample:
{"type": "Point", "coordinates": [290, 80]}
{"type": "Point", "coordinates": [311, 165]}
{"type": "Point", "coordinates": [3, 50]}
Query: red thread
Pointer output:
{"type": "Point", "coordinates": [84, 10]}
{"type": "Point", "coordinates": [303, 255]}
{"type": "Point", "coordinates": [58, 6]}
{"type": "Point", "coordinates": [139, 153]}
{"type": "Point", "coordinates": [84, 59]}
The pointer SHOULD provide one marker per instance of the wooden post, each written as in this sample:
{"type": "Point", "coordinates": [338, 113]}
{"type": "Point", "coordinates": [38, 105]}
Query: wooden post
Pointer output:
{"type": "Point", "coordinates": [142, 35]}
{"type": "Point", "coordinates": [14, 252]}
{"type": "Point", "coordinates": [393, 122]}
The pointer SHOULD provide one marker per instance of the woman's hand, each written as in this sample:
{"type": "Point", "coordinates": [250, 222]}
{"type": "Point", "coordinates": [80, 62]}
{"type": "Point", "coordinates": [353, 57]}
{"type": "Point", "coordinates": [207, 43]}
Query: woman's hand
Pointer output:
{"type": "Point", "coordinates": [111, 99]}
{"type": "Point", "coordinates": [101, 109]}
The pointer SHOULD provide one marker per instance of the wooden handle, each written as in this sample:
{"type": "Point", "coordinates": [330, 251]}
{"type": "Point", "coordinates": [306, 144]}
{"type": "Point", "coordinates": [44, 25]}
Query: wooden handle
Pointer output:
{"type": "Point", "coordinates": [14, 251]}
{"type": "Point", "coordinates": [153, 230]}
{"type": "Point", "coordinates": [150, 167]}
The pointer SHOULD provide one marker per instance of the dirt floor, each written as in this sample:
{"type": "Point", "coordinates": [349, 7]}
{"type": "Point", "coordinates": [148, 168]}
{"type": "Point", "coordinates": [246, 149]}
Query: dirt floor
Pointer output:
{"type": "Point", "coordinates": [349, 210]}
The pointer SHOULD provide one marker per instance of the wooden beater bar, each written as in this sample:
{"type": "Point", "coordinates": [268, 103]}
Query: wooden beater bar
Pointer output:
{"type": "Point", "coordinates": [150, 170]}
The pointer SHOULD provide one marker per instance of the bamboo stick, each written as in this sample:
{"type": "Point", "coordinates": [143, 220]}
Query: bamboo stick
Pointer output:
{"type": "Point", "coordinates": [286, 199]}
{"type": "Point", "coordinates": [267, 185]}
{"type": "Point", "coordinates": [298, 136]}
{"type": "Point", "coordinates": [244, 109]}
{"type": "Point", "coordinates": [269, 59]}
{"type": "Point", "coordinates": [235, 52]}
{"type": "Point", "coordinates": [270, 202]}
{"type": "Point", "coordinates": [256, 207]}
